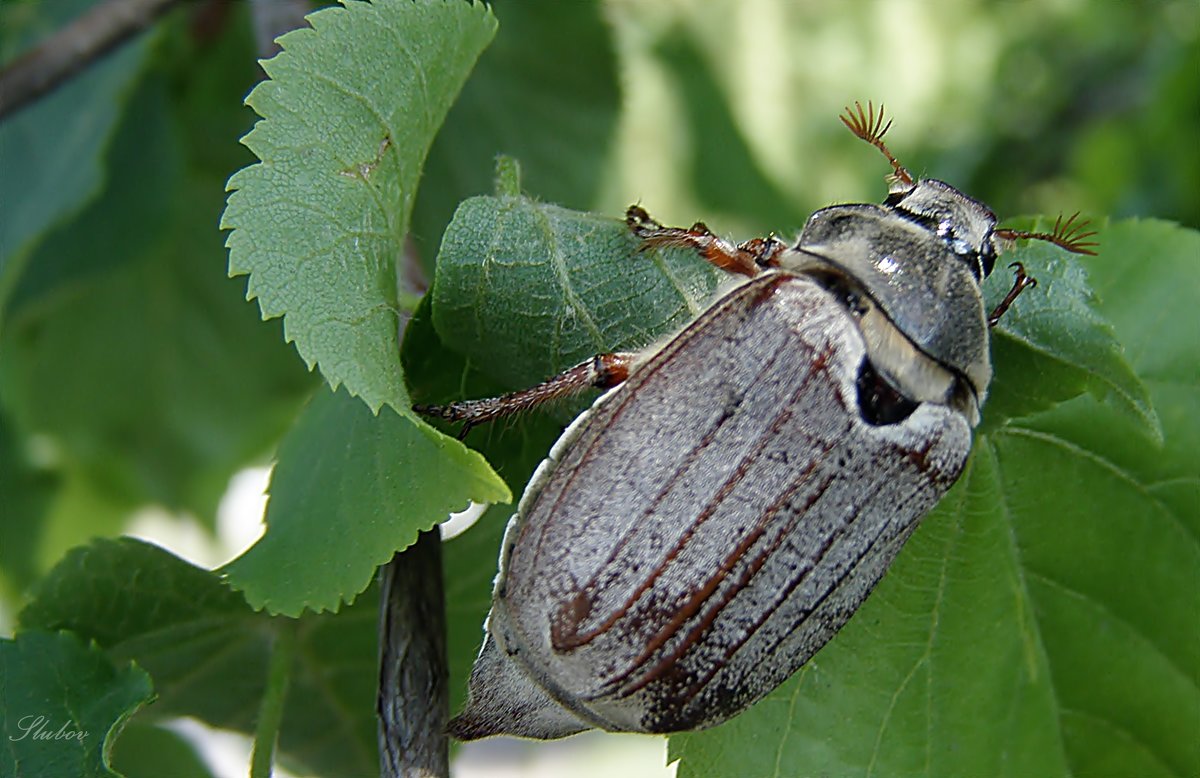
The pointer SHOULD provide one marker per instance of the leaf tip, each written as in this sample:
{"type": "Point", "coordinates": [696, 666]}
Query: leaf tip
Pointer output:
{"type": "Point", "coordinates": [508, 176]}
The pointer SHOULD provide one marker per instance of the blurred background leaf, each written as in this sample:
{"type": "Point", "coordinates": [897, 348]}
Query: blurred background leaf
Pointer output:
{"type": "Point", "coordinates": [132, 371]}
{"type": "Point", "coordinates": [52, 152]}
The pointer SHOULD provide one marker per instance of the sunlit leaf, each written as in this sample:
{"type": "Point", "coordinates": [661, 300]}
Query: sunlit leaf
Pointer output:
{"type": "Point", "coordinates": [349, 490]}
{"type": "Point", "coordinates": [350, 110]}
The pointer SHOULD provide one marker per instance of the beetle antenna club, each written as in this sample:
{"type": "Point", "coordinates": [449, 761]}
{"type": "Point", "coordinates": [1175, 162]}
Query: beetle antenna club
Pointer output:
{"type": "Point", "coordinates": [1069, 235]}
{"type": "Point", "coordinates": [871, 127]}
{"type": "Point", "coordinates": [1023, 281]}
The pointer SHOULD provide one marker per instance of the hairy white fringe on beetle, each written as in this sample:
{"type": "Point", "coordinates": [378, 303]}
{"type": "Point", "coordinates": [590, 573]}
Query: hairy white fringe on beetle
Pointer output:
{"type": "Point", "coordinates": [718, 515]}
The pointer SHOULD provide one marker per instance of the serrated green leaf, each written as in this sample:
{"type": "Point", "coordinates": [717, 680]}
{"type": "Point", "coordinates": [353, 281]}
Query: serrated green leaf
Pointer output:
{"type": "Point", "coordinates": [207, 650]}
{"type": "Point", "coordinates": [126, 346]}
{"type": "Point", "coordinates": [557, 120]}
{"type": "Point", "coordinates": [1053, 344]}
{"type": "Point", "coordinates": [349, 490]}
{"type": "Point", "coordinates": [1044, 618]}
{"type": "Point", "coordinates": [61, 704]}
{"type": "Point", "coordinates": [349, 112]}
{"type": "Point", "coordinates": [51, 151]}
{"type": "Point", "coordinates": [525, 290]}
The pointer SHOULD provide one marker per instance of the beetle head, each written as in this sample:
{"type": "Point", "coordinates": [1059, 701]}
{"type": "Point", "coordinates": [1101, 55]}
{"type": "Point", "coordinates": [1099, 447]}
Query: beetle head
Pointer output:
{"type": "Point", "coordinates": [965, 224]}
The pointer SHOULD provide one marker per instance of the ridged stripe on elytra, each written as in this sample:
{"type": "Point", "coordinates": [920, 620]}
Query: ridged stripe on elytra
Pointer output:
{"type": "Point", "coordinates": [700, 595]}
{"type": "Point", "coordinates": [877, 545]}
{"type": "Point", "coordinates": [564, 636]}
{"type": "Point", "coordinates": [626, 394]}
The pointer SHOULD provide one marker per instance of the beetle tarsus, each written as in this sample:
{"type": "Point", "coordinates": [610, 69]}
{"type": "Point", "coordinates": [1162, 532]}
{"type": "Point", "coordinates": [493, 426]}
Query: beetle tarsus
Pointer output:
{"type": "Point", "coordinates": [748, 259]}
{"type": "Point", "coordinates": [1022, 282]}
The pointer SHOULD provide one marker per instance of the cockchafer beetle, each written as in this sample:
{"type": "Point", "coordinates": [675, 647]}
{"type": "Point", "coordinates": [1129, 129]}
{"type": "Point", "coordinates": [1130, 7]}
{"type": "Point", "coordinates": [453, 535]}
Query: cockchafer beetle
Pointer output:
{"type": "Point", "coordinates": [714, 519]}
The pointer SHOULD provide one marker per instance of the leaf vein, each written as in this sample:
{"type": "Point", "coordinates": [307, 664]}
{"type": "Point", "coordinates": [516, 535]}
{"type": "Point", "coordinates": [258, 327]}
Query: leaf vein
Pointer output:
{"type": "Point", "coordinates": [1125, 732]}
{"type": "Point", "coordinates": [1108, 465]}
{"type": "Point", "coordinates": [1055, 583]}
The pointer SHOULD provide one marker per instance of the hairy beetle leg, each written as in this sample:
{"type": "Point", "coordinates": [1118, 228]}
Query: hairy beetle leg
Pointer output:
{"type": "Point", "coordinates": [748, 259]}
{"type": "Point", "coordinates": [1022, 282]}
{"type": "Point", "coordinates": [603, 371]}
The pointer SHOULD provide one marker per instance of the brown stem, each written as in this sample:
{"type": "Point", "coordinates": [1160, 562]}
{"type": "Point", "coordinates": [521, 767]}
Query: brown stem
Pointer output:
{"type": "Point", "coordinates": [413, 700]}
{"type": "Point", "coordinates": [74, 47]}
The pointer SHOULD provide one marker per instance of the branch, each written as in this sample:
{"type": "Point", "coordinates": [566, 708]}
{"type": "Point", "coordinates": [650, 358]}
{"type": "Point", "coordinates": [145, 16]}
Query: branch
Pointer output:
{"type": "Point", "coordinates": [273, 18]}
{"type": "Point", "coordinates": [413, 685]}
{"type": "Point", "coordinates": [73, 48]}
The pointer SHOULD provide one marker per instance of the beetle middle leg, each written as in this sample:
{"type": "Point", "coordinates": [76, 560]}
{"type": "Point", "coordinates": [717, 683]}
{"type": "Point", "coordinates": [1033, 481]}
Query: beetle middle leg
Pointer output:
{"type": "Point", "coordinates": [603, 371]}
{"type": "Point", "coordinates": [748, 259]}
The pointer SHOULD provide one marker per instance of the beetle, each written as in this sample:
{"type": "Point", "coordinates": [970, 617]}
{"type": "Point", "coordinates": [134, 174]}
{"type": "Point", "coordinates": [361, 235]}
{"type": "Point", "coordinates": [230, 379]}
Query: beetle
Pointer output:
{"type": "Point", "coordinates": [719, 514]}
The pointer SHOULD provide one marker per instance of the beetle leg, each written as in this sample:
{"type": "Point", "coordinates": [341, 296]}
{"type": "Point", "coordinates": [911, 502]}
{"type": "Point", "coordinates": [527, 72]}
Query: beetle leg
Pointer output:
{"type": "Point", "coordinates": [603, 371]}
{"type": "Point", "coordinates": [747, 258]}
{"type": "Point", "coordinates": [1021, 283]}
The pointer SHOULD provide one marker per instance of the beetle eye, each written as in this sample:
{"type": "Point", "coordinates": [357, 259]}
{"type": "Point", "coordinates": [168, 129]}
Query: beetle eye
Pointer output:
{"type": "Point", "coordinates": [987, 256]}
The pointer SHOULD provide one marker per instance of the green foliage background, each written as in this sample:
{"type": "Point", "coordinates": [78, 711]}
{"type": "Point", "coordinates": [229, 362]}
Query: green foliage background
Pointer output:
{"type": "Point", "coordinates": [1045, 620]}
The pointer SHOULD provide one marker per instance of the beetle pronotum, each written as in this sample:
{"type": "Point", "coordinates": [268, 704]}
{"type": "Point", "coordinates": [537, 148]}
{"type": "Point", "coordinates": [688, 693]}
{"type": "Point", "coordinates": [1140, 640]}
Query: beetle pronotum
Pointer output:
{"type": "Point", "coordinates": [714, 519]}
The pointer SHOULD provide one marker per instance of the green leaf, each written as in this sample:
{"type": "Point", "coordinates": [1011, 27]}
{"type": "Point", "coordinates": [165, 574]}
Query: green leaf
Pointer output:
{"type": "Point", "coordinates": [350, 110]}
{"type": "Point", "coordinates": [129, 350]}
{"type": "Point", "coordinates": [525, 290]}
{"type": "Point", "coordinates": [558, 121]}
{"type": "Point", "coordinates": [1043, 620]}
{"type": "Point", "coordinates": [62, 703]}
{"type": "Point", "coordinates": [1053, 345]}
{"type": "Point", "coordinates": [145, 751]}
{"type": "Point", "coordinates": [51, 150]}
{"type": "Point", "coordinates": [349, 490]}
{"type": "Point", "coordinates": [25, 496]}
{"type": "Point", "coordinates": [207, 650]}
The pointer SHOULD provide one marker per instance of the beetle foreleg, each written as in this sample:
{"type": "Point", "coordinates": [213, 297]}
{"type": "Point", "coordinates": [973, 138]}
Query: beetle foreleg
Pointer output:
{"type": "Point", "coordinates": [747, 258]}
{"type": "Point", "coordinates": [603, 371]}
{"type": "Point", "coordinates": [1021, 283]}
